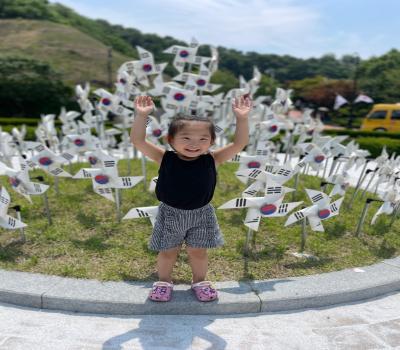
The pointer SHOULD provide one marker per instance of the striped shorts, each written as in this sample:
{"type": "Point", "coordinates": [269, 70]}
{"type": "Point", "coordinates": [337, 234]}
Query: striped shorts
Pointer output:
{"type": "Point", "coordinates": [198, 228]}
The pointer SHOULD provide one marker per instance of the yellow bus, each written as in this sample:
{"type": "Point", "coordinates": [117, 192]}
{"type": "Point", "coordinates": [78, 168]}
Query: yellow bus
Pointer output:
{"type": "Point", "coordinates": [383, 117]}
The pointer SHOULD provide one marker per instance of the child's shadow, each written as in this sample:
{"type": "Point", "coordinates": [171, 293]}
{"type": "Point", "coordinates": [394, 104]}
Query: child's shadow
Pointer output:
{"type": "Point", "coordinates": [173, 332]}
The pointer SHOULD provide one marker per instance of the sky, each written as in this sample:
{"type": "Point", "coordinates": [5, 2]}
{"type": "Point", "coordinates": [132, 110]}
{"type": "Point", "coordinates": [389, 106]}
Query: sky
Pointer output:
{"type": "Point", "coordinates": [300, 28]}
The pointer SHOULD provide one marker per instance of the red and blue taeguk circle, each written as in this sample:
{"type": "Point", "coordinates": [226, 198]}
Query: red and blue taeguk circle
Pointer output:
{"type": "Point", "coordinates": [324, 213]}
{"type": "Point", "coordinates": [319, 159]}
{"type": "Point", "coordinates": [201, 82]}
{"type": "Point", "coordinates": [45, 161]}
{"type": "Point", "coordinates": [268, 209]}
{"type": "Point", "coordinates": [147, 67]}
{"type": "Point", "coordinates": [101, 179]}
{"type": "Point", "coordinates": [179, 96]}
{"type": "Point", "coordinates": [157, 132]}
{"type": "Point", "coordinates": [79, 142]}
{"type": "Point", "coordinates": [106, 101]}
{"type": "Point", "coordinates": [184, 53]}
{"type": "Point", "coordinates": [253, 164]}
{"type": "Point", "coordinates": [273, 128]}
{"type": "Point", "coordinates": [14, 182]}
{"type": "Point", "coordinates": [93, 160]}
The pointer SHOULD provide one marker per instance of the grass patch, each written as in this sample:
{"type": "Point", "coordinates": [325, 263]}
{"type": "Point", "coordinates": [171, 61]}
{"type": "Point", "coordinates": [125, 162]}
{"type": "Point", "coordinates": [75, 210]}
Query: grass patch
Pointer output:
{"type": "Point", "coordinates": [86, 240]}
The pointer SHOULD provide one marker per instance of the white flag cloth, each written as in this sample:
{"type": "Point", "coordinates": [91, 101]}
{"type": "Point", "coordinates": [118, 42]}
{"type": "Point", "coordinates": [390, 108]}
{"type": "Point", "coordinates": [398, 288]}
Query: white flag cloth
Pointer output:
{"type": "Point", "coordinates": [363, 98]}
{"type": "Point", "coordinates": [339, 102]}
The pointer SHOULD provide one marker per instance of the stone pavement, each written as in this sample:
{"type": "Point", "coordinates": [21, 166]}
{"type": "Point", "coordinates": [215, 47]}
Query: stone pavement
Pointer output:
{"type": "Point", "coordinates": [373, 324]}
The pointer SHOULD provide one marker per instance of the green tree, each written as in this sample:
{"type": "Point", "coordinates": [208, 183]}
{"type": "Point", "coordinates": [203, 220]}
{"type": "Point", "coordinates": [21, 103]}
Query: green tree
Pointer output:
{"type": "Point", "coordinates": [379, 77]}
{"type": "Point", "coordinates": [29, 88]}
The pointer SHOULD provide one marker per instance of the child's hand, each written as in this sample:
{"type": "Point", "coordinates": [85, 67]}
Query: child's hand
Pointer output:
{"type": "Point", "coordinates": [144, 105]}
{"type": "Point", "coordinates": [242, 107]}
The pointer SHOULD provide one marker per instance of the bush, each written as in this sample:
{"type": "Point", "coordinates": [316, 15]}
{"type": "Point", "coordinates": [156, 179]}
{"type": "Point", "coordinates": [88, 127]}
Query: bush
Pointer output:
{"type": "Point", "coordinates": [374, 145]}
{"type": "Point", "coordinates": [358, 133]}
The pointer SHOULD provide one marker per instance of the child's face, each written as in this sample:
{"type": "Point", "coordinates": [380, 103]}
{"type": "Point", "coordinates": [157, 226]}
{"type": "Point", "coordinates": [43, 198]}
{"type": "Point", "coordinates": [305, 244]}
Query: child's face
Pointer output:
{"type": "Point", "coordinates": [193, 140]}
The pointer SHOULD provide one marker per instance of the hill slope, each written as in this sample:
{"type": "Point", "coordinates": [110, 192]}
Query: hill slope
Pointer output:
{"type": "Point", "coordinates": [77, 56]}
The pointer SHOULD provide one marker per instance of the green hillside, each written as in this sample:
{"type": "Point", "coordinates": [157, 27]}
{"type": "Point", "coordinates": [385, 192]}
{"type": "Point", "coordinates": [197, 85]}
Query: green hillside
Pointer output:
{"type": "Point", "coordinates": [77, 56]}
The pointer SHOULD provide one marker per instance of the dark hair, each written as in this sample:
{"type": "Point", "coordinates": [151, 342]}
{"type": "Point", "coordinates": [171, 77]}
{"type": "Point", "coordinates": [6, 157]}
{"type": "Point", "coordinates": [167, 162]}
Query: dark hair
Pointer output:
{"type": "Point", "coordinates": [178, 123]}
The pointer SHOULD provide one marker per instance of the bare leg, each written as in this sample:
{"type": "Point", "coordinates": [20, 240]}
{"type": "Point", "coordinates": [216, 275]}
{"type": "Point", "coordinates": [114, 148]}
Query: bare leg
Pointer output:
{"type": "Point", "coordinates": [165, 263]}
{"type": "Point", "coordinates": [198, 260]}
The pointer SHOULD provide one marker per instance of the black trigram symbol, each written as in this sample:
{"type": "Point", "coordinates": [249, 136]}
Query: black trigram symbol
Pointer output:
{"type": "Point", "coordinates": [317, 197]}
{"type": "Point", "coordinates": [144, 55]}
{"type": "Point", "coordinates": [253, 220]}
{"type": "Point", "coordinates": [129, 65]}
{"type": "Point", "coordinates": [11, 221]}
{"type": "Point", "coordinates": [104, 190]}
{"type": "Point", "coordinates": [23, 166]}
{"type": "Point", "coordinates": [120, 110]}
{"type": "Point", "coordinates": [301, 165]}
{"type": "Point", "coordinates": [86, 173]}
{"type": "Point", "coordinates": [67, 156]}
{"type": "Point", "coordinates": [175, 50]}
{"type": "Point", "coordinates": [251, 192]}
{"type": "Point", "coordinates": [170, 106]}
{"type": "Point", "coordinates": [334, 207]}
{"type": "Point", "coordinates": [37, 188]}
{"type": "Point", "coordinates": [284, 172]}
{"type": "Point", "coordinates": [283, 208]}
{"type": "Point", "coordinates": [109, 163]}
{"type": "Point", "coordinates": [299, 215]}
{"type": "Point", "coordinates": [269, 168]}
{"type": "Point", "coordinates": [241, 202]}
{"type": "Point", "coordinates": [255, 173]}
{"type": "Point", "coordinates": [126, 181]}
{"type": "Point", "coordinates": [166, 90]}
{"type": "Point", "coordinates": [273, 190]}
{"type": "Point", "coordinates": [197, 60]}
{"type": "Point", "coordinates": [141, 213]}
{"type": "Point", "coordinates": [4, 200]}
{"type": "Point", "coordinates": [236, 158]}
{"type": "Point", "coordinates": [217, 129]}
{"type": "Point", "coordinates": [56, 171]}
{"type": "Point", "coordinates": [262, 152]}
{"type": "Point", "coordinates": [309, 148]}
{"type": "Point", "coordinates": [157, 68]}
{"type": "Point", "coordinates": [39, 148]}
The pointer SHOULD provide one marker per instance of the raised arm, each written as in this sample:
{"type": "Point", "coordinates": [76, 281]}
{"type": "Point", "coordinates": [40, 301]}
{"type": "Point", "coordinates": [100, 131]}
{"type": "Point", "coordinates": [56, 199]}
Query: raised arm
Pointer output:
{"type": "Point", "coordinates": [241, 107]}
{"type": "Point", "coordinates": [143, 107]}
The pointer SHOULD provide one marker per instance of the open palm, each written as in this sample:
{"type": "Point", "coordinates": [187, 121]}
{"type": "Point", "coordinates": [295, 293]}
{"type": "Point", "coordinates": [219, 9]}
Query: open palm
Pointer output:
{"type": "Point", "coordinates": [144, 105]}
{"type": "Point", "coordinates": [241, 107]}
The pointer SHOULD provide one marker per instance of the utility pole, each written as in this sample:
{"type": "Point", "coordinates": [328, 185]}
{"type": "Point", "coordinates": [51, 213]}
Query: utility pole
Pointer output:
{"type": "Point", "coordinates": [354, 90]}
{"type": "Point", "coordinates": [109, 67]}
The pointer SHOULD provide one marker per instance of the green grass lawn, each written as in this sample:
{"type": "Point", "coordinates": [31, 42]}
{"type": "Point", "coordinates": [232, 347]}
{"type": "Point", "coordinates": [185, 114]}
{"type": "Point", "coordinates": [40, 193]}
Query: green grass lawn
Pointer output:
{"type": "Point", "coordinates": [86, 240]}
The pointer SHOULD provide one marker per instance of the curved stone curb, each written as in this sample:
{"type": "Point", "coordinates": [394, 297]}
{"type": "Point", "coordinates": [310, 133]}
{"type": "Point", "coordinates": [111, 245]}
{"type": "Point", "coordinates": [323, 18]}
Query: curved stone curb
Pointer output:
{"type": "Point", "coordinates": [125, 298]}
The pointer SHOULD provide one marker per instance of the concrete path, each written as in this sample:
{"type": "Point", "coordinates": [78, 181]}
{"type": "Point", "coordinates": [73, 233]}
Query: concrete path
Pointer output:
{"type": "Point", "coordinates": [374, 324]}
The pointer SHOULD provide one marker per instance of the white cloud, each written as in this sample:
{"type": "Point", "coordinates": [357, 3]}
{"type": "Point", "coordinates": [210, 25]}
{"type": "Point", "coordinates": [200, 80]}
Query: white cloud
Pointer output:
{"type": "Point", "coordinates": [265, 26]}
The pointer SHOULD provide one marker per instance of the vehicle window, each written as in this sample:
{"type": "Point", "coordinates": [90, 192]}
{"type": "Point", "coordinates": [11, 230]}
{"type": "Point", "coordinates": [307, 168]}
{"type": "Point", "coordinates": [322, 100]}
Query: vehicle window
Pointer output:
{"type": "Point", "coordinates": [396, 114]}
{"type": "Point", "coordinates": [378, 115]}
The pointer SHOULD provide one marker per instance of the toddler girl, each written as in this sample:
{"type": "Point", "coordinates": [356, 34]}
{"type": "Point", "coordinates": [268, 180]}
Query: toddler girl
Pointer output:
{"type": "Point", "coordinates": [185, 187]}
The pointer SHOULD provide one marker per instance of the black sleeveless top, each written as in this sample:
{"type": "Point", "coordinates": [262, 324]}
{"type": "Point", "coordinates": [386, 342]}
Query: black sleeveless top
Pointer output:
{"type": "Point", "coordinates": [186, 184]}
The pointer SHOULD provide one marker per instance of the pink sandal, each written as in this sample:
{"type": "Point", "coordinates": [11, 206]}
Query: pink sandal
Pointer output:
{"type": "Point", "coordinates": [161, 291]}
{"type": "Point", "coordinates": [204, 291]}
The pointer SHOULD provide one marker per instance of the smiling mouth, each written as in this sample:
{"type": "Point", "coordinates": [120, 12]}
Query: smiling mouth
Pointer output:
{"type": "Point", "coordinates": [192, 150]}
